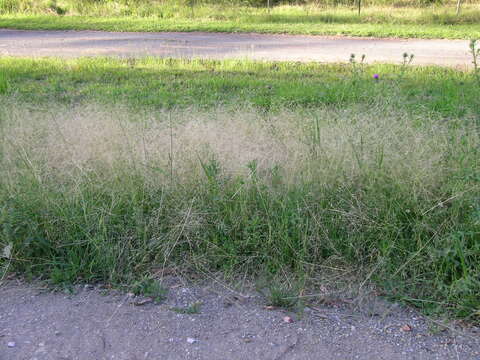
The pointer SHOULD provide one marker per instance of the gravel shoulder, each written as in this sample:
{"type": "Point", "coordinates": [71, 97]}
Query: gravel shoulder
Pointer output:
{"type": "Point", "coordinates": [68, 44]}
{"type": "Point", "coordinates": [98, 324]}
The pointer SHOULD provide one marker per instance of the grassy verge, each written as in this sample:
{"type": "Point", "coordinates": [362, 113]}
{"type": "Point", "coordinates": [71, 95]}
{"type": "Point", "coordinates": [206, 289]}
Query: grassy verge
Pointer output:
{"type": "Point", "coordinates": [407, 22]}
{"type": "Point", "coordinates": [169, 83]}
{"type": "Point", "coordinates": [112, 169]}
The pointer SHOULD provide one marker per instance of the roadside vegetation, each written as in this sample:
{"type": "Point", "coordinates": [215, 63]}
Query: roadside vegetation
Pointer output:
{"type": "Point", "coordinates": [417, 19]}
{"type": "Point", "coordinates": [113, 170]}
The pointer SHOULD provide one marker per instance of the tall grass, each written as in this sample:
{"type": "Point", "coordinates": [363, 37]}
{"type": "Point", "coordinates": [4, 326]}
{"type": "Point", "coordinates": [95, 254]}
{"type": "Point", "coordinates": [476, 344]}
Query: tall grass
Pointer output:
{"type": "Point", "coordinates": [99, 193]}
{"type": "Point", "coordinates": [296, 12]}
{"type": "Point", "coordinates": [383, 18]}
{"type": "Point", "coordinates": [4, 84]}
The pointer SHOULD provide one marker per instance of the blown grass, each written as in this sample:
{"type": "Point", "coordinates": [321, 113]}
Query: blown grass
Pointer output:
{"type": "Point", "coordinates": [384, 20]}
{"type": "Point", "coordinates": [101, 187]}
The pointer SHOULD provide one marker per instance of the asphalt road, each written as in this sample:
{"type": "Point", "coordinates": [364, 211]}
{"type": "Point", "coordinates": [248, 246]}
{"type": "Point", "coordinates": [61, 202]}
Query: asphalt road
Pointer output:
{"type": "Point", "coordinates": [222, 46]}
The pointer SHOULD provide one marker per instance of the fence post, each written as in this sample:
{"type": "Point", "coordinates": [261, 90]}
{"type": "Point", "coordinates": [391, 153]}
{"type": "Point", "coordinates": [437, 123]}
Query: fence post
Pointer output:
{"type": "Point", "coordinates": [459, 4]}
{"type": "Point", "coordinates": [191, 3]}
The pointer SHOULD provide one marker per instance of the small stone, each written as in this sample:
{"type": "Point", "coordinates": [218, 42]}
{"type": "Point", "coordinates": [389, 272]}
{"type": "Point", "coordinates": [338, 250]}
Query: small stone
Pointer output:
{"type": "Point", "coordinates": [406, 328]}
{"type": "Point", "coordinates": [191, 340]}
{"type": "Point", "coordinates": [11, 344]}
{"type": "Point", "coordinates": [143, 302]}
{"type": "Point", "coordinates": [288, 319]}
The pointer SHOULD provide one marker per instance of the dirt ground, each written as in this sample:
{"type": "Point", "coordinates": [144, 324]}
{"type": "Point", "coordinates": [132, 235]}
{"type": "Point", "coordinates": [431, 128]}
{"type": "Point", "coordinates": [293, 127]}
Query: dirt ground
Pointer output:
{"type": "Point", "coordinates": [94, 323]}
{"type": "Point", "coordinates": [240, 46]}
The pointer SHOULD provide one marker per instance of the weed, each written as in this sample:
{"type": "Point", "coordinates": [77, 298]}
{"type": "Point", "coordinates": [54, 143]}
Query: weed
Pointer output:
{"type": "Point", "coordinates": [53, 7]}
{"type": "Point", "coordinates": [475, 51]}
{"type": "Point", "coordinates": [190, 310]}
{"type": "Point", "coordinates": [281, 296]}
{"type": "Point", "coordinates": [407, 59]}
{"type": "Point", "coordinates": [4, 84]}
{"type": "Point", "coordinates": [149, 288]}
{"type": "Point", "coordinates": [357, 68]}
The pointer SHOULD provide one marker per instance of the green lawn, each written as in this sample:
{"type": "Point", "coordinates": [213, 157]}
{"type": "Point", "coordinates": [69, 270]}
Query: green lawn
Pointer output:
{"type": "Point", "coordinates": [172, 83]}
{"type": "Point", "coordinates": [406, 22]}
{"type": "Point", "coordinates": [112, 169]}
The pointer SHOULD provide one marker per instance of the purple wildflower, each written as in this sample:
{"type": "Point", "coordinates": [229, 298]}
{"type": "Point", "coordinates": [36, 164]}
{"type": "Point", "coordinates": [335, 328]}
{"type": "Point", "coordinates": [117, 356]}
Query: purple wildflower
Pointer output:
{"type": "Point", "coordinates": [376, 76]}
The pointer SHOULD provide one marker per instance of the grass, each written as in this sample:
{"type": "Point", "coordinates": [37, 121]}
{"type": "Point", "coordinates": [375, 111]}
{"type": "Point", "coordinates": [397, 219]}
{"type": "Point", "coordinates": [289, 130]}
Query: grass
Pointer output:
{"type": "Point", "coordinates": [4, 84]}
{"type": "Point", "coordinates": [282, 297]}
{"type": "Point", "coordinates": [112, 168]}
{"type": "Point", "coordinates": [168, 83]}
{"type": "Point", "coordinates": [380, 21]}
{"type": "Point", "coordinates": [150, 288]}
{"type": "Point", "coordinates": [189, 310]}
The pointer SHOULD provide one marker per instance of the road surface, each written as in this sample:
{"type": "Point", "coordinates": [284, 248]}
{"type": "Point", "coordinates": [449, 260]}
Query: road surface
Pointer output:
{"type": "Point", "coordinates": [38, 324]}
{"type": "Point", "coordinates": [222, 46]}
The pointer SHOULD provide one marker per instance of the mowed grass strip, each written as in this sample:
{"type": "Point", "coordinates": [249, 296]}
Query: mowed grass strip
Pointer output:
{"type": "Point", "coordinates": [112, 169]}
{"type": "Point", "coordinates": [269, 85]}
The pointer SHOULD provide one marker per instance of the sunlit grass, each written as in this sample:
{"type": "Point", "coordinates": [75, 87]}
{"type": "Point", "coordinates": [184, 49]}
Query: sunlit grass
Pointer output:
{"type": "Point", "coordinates": [437, 21]}
{"type": "Point", "coordinates": [99, 193]}
{"type": "Point", "coordinates": [112, 169]}
{"type": "Point", "coordinates": [181, 83]}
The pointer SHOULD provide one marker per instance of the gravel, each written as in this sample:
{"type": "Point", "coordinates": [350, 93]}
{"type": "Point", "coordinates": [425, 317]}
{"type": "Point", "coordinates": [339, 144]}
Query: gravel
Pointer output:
{"type": "Point", "coordinates": [98, 324]}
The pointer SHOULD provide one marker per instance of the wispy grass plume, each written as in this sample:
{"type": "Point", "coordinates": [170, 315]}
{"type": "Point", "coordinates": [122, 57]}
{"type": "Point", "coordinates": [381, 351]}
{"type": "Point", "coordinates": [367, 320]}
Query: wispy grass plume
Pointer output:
{"type": "Point", "coordinates": [98, 193]}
